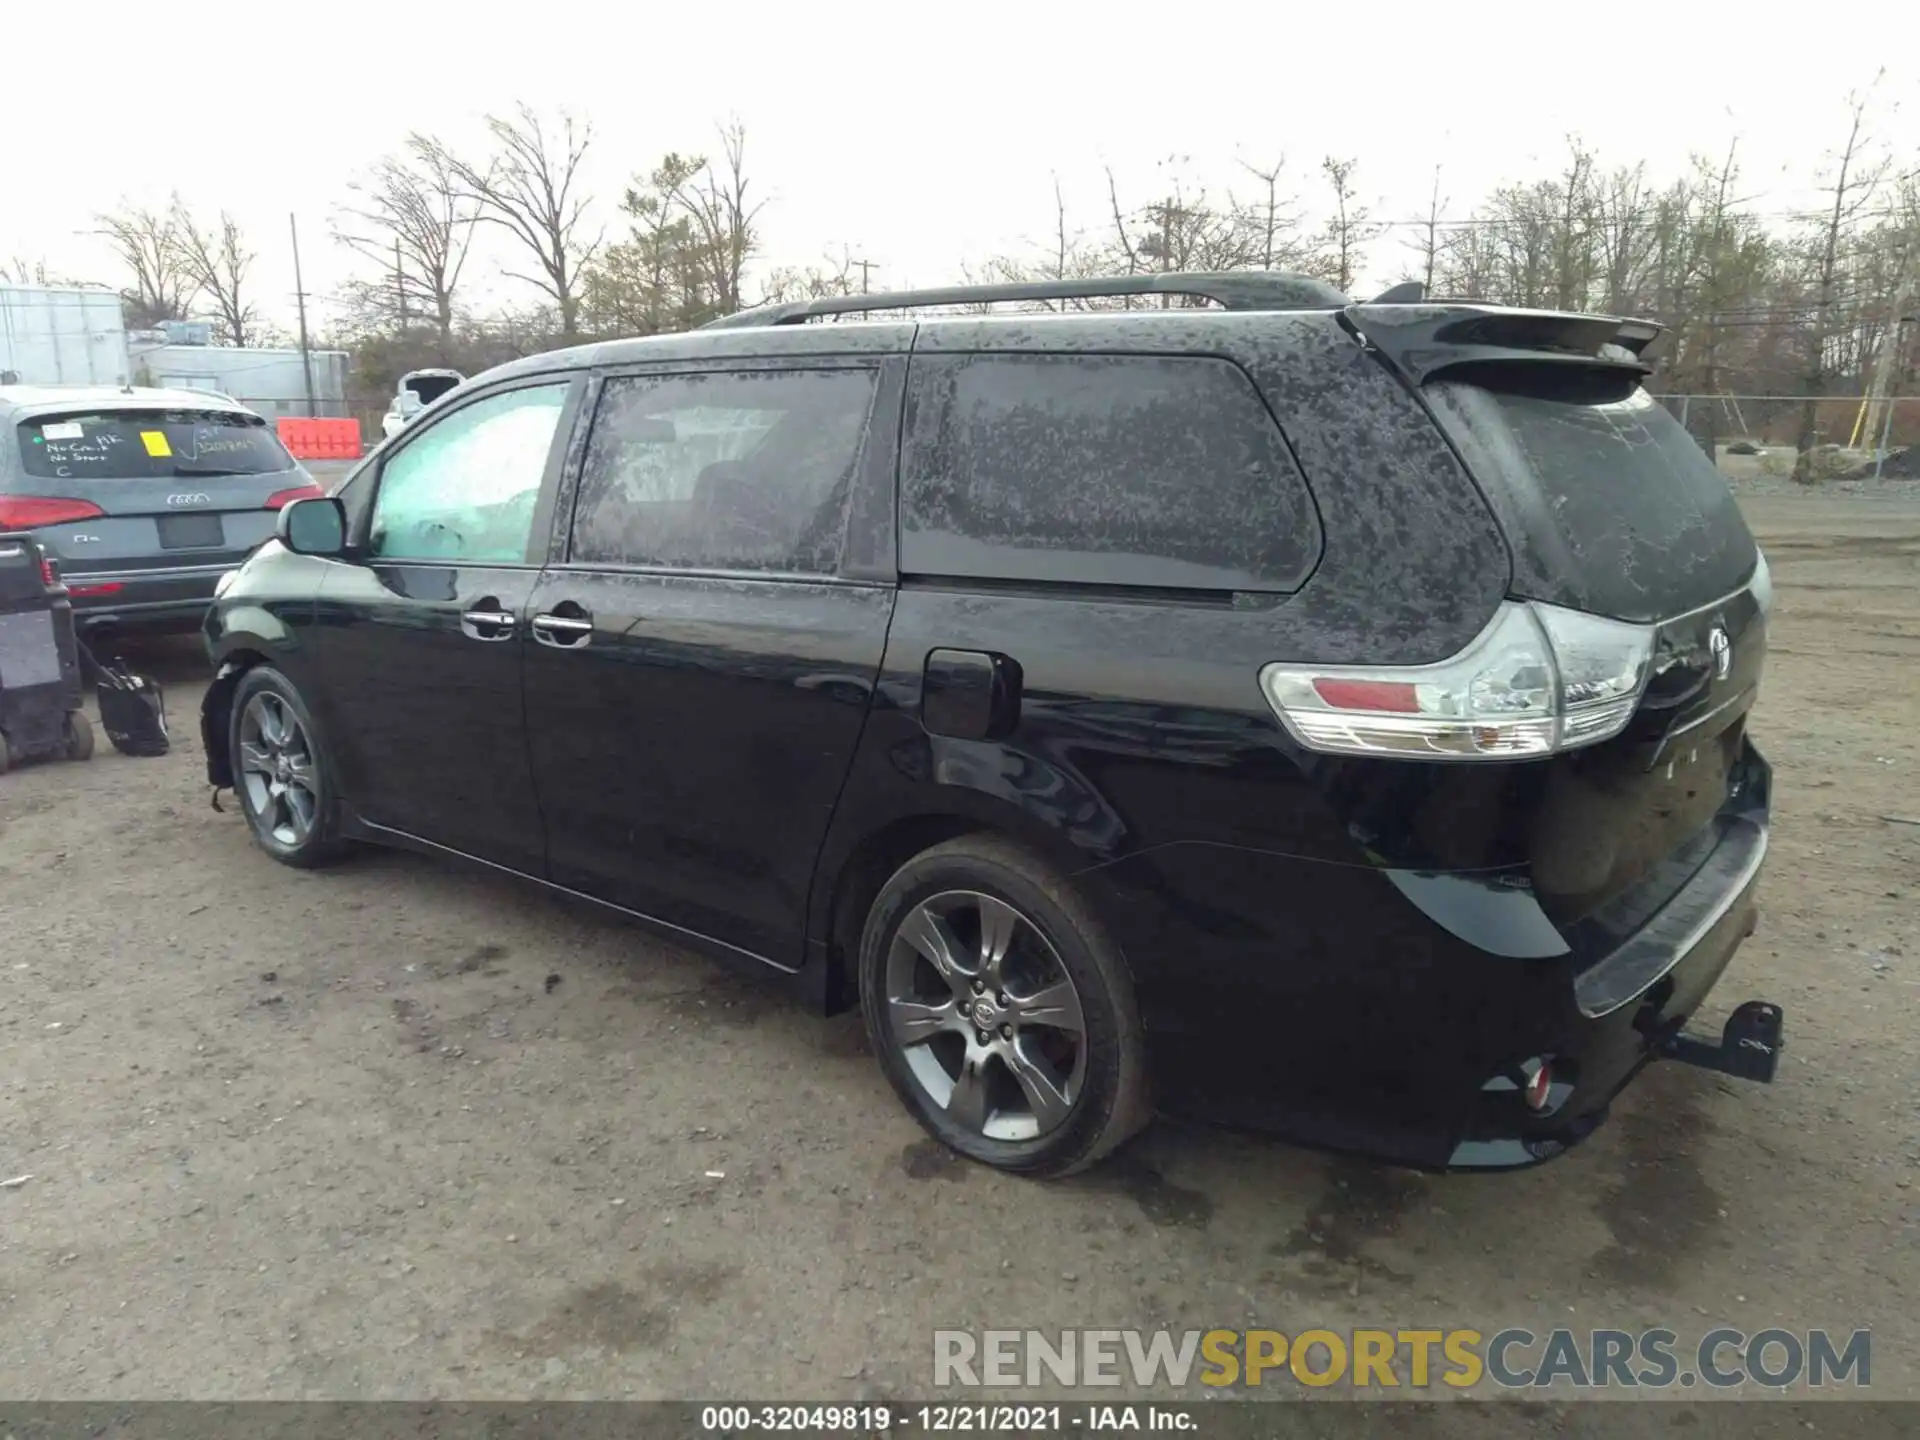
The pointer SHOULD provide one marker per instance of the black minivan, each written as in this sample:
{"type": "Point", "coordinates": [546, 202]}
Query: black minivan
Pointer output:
{"type": "Point", "coordinates": [1318, 716]}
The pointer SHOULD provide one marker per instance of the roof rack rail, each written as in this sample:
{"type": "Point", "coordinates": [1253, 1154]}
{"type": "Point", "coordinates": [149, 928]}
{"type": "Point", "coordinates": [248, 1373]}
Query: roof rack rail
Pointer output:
{"type": "Point", "coordinates": [1230, 289]}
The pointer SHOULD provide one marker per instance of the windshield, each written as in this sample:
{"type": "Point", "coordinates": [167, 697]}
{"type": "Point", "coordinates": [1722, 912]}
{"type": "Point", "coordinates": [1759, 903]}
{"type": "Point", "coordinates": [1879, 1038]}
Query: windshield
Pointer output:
{"type": "Point", "coordinates": [149, 444]}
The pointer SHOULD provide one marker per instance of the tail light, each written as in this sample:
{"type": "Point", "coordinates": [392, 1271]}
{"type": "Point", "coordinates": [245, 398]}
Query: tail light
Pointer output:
{"type": "Point", "coordinates": [1537, 680]}
{"type": "Point", "coordinates": [298, 492]}
{"type": "Point", "coordinates": [80, 592]}
{"type": "Point", "coordinates": [29, 512]}
{"type": "Point", "coordinates": [49, 572]}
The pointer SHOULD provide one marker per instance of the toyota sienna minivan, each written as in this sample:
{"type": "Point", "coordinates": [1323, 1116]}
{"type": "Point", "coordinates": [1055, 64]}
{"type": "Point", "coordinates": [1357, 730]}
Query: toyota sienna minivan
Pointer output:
{"type": "Point", "coordinates": [1318, 716]}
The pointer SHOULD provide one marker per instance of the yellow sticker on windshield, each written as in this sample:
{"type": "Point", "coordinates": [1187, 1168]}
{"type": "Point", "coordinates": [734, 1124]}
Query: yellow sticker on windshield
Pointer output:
{"type": "Point", "coordinates": [156, 443]}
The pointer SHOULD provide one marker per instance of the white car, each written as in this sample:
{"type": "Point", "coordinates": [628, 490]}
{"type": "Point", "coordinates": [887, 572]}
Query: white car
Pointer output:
{"type": "Point", "coordinates": [417, 390]}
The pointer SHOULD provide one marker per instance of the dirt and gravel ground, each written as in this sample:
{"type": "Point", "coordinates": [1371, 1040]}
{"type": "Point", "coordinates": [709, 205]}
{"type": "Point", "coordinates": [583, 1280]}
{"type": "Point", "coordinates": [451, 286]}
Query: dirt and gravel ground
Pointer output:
{"type": "Point", "coordinates": [396, 1130]}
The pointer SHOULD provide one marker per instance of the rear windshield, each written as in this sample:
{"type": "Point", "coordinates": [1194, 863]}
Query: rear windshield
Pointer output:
{"type": "Point", "coordinates": [429, 387]}
{"type": "Point", "coordinates": [1618, 509]}
{"type": "Point", "coordinates": [149, 444]}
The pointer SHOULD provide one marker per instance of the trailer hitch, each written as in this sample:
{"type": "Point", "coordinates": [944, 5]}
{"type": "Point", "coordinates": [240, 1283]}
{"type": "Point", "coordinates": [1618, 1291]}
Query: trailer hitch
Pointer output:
{"type": "Point", "coordinates": [1748, 1048]}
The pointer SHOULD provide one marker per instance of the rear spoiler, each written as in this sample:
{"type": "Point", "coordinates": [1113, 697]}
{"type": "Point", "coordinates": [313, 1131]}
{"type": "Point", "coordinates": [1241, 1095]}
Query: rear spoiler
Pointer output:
{"type": "Point", "coordinates": [1421, 341]}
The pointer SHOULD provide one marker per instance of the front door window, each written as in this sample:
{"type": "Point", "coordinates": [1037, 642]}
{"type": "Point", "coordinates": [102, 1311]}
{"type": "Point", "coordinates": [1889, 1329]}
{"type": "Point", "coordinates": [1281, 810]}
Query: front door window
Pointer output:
{"type": "Point", "coordinates": [463, 491]}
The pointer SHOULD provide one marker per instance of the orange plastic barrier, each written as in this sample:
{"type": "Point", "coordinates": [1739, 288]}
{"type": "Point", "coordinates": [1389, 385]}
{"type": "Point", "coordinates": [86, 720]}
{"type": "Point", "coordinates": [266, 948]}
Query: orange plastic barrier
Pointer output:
{"type": "Point", "coordinates": [317, 439]}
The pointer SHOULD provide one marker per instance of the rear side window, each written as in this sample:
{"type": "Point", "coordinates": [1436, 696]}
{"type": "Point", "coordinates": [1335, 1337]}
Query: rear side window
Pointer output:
{"type": "Point", "coordinates": [149, 444]}
{"type": "Point", "coordinates": [732, 470]}
{"type": "Point", "coordinates": [1649, 526]}
{"type": "Point", "coordinates": [1121, 470]}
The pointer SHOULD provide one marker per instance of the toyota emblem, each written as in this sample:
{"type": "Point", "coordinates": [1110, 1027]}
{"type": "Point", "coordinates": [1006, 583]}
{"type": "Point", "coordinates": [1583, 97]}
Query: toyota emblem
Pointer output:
{"type": "Point", "coordinates": [1721, 647]}
{"type": "Point", "coordinates": [191, 497]}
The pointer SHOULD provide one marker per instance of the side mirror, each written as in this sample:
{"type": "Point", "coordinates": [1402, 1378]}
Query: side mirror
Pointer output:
{"type": "Point", "coordinates": [316, 526]}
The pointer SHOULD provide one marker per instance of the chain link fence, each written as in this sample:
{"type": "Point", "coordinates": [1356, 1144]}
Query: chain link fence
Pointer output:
{"type": "Point", "coordinates": [1771, 420]}
{"type": "Point", "coordinates": [1754, 435]}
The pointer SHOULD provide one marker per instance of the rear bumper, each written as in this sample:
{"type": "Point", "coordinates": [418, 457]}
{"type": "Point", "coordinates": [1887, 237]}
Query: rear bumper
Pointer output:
{"type": "Point", "coordinates": [175, 598]}
{"type": "Point", "coordinates": [1396, 1013]}
{"type": "Point", "coordinates": [1630, 1004]}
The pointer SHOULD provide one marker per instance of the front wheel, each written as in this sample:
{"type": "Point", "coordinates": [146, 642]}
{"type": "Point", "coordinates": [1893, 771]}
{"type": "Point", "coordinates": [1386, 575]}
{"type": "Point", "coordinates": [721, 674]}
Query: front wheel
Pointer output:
{"type": "Point", "coordinates": [1001, 1011]}
{"type": "Point", "coordinates": [281, 771]}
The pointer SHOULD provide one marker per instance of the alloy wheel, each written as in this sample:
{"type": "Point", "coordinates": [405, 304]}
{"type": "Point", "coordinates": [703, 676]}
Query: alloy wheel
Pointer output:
{"type": "Point", "coordinates": [986, 1016]}
{"type": "Point", "coordinates": [278, 770]}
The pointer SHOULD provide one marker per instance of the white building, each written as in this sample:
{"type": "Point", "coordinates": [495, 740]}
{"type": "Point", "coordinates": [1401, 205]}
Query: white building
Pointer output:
{"type": "Point", "coordinates": [272, 382]}
{"type": "Point", "coordinates": [73, 335]}
{"type": "Point", "coordinates": [62, 335]}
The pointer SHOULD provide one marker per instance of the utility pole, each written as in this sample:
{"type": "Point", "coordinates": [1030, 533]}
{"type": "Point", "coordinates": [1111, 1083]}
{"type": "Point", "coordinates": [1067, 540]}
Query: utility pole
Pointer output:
{"type": "Point", "coordinates": [300, 299]}
{"type": "Point", "coordinates": [399, 285]}
{"type": "Point", "coordinates": [865, 266]}
{"type": "Point", "coordinates": [1433, 231]}
{"type": "Point", "coordinates": [1891, 352]}
{"type": "Point", "coordinates": [1165, 209]}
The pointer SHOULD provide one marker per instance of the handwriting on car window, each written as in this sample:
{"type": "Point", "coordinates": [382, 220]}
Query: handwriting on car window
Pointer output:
{"type": "Point", "coordinates": [207, 442]}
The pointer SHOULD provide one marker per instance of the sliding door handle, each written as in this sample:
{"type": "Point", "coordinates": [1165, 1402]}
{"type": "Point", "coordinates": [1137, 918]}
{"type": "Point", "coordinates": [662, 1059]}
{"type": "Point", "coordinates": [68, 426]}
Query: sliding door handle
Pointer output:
{"type": "Point", "coordinates": [567, 631]}
{"type": "Point", "coordinates": [487, 621]}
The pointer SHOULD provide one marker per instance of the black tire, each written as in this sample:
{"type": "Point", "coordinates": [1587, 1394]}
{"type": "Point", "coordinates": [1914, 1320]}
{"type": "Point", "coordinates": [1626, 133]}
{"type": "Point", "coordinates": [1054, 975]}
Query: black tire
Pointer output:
{"type": "Point", "coordinates": [302, 846]}
{"type": "Point", "coordinates": [78, 733]}
{"type": "Point", "coordinates": [1106, 1095]}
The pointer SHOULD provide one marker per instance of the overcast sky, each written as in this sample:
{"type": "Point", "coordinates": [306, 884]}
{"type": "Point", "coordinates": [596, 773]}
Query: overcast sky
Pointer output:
{"type": "Point", "coordinates": [921, 135]}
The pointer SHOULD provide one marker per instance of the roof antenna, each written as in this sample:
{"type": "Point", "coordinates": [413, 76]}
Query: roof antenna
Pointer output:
{"type": "Point", "coordinates": [1407, 292]}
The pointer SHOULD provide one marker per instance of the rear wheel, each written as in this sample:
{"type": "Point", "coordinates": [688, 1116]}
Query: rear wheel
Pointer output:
{"type": "Point", "coordinates": [281, 773]}
{"type": "Point", "coordinates": [78, 733]}
{"type": "Point", "coordinates": [1001, 1011]}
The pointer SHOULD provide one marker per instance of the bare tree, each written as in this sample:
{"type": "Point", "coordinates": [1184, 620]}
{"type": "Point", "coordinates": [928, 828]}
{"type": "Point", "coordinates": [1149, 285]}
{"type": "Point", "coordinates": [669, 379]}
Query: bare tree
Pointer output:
{"type": "Point", "coordinates": [1855, 177]}
{"type": "Point", "coordinates": [714, 200]}
{"type": "Point", "coordinates": [1623, 227]}
{"type": "Point", "coordinates": [1064, 254]}
{"type": "Point", "coordinates": [812, 282]}
{"type": "Point", "coordinates": [1180, 231]}
{"type": "Point", "coordinates": [217, 262]}
{"type": "Point", "coordinates": [1350, 229]}
{"type": "Point", "coordinates": [531, 188]}
{"type": "Point", "coordinates": [1723, 263]}
{"type": "Point", "coordinates": [415, 221]}
{"type": "Point", "coordinates": [1571, 230]}
{"type": "Point", "coordinates": [1469, 263]}
{"type": "Point", "coordinates": [1122, 240]}
{"type": "Point", "coordinates": [1430, 244]}
{"type": "Point", "coordinates": [1065, 248]}
{"type": "Point", "coordinates": [1270, 222]}
{"type": "Point", "coordinates": [148, 246]}
{"type": "Point", "coordinates": [22, 271]}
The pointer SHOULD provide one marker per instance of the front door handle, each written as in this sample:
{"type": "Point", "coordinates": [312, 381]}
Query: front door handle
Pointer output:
{"type": "Point", "coordinates": [565, 631]}
{"type": "Point", "coordinates": [487, 620]}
